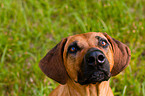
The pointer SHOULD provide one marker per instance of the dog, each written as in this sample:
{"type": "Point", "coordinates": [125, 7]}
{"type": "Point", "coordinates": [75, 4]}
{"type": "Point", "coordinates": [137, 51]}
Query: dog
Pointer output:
{"type": "Point", "coordinates": [83, 64]}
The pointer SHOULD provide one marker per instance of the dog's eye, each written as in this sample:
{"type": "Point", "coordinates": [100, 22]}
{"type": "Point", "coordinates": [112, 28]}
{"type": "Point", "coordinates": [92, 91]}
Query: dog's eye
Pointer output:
{"type": "Point", "coordinates": [103, 43]}
{"type": "Point", "coordinates": [73, 49]}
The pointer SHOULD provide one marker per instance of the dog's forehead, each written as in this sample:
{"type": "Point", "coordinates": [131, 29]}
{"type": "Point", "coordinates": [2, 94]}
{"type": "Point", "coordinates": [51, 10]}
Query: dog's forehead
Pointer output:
{"type": "Point", "coordinates": [85, 37]}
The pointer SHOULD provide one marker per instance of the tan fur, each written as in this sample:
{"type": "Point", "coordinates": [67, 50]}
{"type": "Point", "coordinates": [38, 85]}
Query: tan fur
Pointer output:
{"type": "Point", "coordinates": [75, 89]}
{"type": "Point", "coordinates": [73, 66]}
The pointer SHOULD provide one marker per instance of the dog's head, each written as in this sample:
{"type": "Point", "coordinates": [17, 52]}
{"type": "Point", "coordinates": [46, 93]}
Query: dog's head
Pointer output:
{"type": "Point", "coordinates": [86, 58]}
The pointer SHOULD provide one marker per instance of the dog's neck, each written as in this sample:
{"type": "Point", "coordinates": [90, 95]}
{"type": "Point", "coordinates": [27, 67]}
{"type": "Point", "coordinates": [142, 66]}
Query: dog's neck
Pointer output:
{"type": "Point", "coordinates": [98, 89]}
{"type": "Point", "coordinates": [72, 88]}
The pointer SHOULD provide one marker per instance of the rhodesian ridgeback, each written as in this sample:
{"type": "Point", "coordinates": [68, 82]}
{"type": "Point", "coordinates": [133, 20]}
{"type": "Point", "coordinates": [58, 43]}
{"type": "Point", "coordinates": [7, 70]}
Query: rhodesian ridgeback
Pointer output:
{"type": "Point", "coordinates": [83, 64]}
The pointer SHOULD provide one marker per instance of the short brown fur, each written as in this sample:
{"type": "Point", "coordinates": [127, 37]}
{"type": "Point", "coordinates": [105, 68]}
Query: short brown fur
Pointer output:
{"type": "Point", "coordinates": [64, 68]}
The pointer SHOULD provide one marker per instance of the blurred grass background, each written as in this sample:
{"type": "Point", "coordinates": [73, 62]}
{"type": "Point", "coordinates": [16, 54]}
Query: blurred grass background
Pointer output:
{"type": "Point", "coordinates": [29, 28]}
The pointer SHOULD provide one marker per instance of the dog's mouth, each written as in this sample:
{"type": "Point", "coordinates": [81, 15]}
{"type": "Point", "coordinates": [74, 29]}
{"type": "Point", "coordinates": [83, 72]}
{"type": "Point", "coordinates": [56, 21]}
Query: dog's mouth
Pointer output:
{"type": "Point", "coordinates": [95, 67]}
{"type": "Point", "coordinates": [97, 76]}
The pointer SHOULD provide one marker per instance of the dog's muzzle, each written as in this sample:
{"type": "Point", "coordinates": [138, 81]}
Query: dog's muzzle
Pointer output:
{"type": "Point", "coordinates": [95, 67]}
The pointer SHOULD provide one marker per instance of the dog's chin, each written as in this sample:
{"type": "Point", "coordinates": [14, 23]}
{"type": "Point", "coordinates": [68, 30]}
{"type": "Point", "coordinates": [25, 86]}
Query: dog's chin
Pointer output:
{"type": "Point", "coordinates": [94, 78]}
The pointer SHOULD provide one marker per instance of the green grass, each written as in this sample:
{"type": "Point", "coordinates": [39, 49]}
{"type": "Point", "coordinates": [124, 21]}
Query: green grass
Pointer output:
{"type": "Point", "coordinates": [29, 28]}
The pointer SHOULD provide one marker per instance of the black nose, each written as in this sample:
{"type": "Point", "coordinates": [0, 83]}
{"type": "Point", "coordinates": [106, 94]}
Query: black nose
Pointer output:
{"type": "Point", "coordinates": [95, 57]}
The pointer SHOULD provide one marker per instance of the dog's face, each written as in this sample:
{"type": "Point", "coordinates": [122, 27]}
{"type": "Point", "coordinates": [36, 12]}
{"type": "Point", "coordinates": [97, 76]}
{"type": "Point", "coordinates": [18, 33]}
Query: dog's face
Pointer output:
{"type": "Point", "coordinates": [89, 57]}
{"type": "Point", "coordinates": [86, 58]}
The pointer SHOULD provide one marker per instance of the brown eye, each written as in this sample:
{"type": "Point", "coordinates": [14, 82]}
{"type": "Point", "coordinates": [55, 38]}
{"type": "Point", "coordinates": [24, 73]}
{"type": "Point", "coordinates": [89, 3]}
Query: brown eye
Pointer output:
{"type": "Point", "coordinates": [73, 49]}
{"type": "Point", "coordinates": [103, 43]}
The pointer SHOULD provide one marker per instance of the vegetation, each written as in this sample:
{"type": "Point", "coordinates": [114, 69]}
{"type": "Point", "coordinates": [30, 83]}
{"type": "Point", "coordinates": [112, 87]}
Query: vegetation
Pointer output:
{"type": "Point", "coordinates": [30, 28]}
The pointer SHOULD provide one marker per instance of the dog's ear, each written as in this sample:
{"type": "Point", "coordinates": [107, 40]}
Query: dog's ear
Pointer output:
{"type": "Point", "coordinates": [52, 64]}
{"type": "Point", "coordinates": [121, 56]}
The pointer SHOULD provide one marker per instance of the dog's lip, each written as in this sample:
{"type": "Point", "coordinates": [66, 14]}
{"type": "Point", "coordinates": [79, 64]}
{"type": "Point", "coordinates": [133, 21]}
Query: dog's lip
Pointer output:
{"type": "Point", "coordinates": [97, 76]}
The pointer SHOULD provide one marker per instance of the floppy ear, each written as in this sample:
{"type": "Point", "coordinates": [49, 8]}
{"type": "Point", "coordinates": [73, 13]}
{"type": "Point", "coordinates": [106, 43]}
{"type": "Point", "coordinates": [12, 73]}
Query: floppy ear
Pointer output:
{"type": "Point", "coordinates": [52, 64]}
{"type": "Point", "coordinates": [121, 56]}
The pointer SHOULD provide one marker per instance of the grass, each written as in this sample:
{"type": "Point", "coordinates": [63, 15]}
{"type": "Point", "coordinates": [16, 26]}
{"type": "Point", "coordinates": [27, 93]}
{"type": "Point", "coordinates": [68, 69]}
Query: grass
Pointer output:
{"type": "Point", "coordinates": [29, 28]}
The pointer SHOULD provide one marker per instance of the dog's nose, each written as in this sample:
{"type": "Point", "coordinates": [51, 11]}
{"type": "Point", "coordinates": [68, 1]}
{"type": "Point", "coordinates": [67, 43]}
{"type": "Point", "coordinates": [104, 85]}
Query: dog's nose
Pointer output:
{"type": "Point", "coordinates": [94, 58]}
